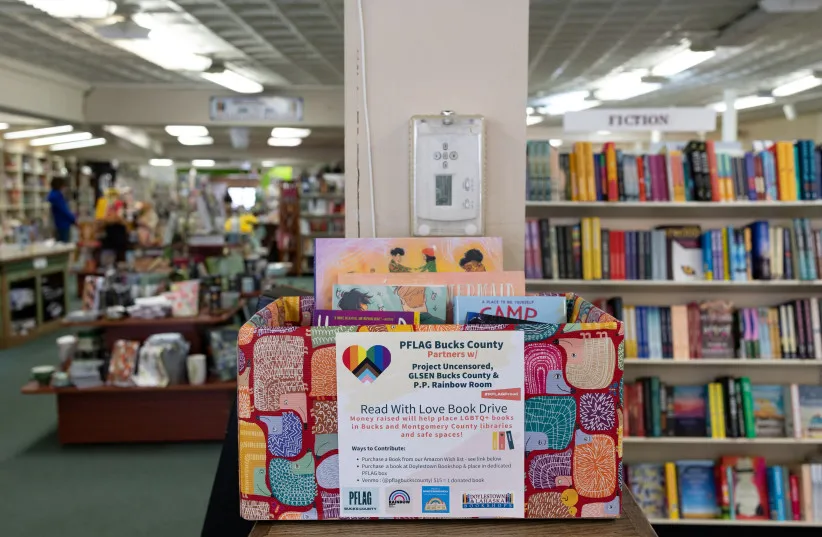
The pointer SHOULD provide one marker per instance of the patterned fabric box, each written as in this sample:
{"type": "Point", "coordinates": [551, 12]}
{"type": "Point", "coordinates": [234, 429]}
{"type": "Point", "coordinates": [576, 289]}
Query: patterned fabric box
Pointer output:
{"type": "Point", "coordinates": [289, 465]}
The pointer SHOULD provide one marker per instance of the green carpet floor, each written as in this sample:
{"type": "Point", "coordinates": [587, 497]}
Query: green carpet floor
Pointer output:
{"type": "Point", "coordinates": [154, 490]}
{"type": "Point", "coordinates": [137, 490]}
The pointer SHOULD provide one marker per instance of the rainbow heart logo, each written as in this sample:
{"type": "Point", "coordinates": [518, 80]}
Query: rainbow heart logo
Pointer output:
{"type": "Point", "coordinates": [366, 365]}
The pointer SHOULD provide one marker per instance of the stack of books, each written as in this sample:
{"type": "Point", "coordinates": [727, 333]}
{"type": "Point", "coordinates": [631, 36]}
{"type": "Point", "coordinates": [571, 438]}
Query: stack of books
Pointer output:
{"type": "Point", "coordinates": [758, 251]}
{"type": "Point", "coordinates": [727, 408]}
{"type": "Point", "coordinates": [732, 488]}
{"type": "Point", "coordinates": [694, 171]}
{"type": "Point", "coordinates": [714, 329]}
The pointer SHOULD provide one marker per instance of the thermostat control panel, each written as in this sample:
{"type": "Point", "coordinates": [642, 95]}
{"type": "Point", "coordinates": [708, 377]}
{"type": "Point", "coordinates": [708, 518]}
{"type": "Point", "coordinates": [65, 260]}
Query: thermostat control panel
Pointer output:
{"type": "Point", "coordinates": [447, 175]}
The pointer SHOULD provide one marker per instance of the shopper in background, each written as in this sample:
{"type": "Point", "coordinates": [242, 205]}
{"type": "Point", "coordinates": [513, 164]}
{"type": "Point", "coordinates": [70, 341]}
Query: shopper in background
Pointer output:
{"type": "Point", "coordinates": [61, 215]}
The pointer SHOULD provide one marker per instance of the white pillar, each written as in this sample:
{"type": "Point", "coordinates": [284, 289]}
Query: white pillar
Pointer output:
{"type": "Point", "coordinates": [729, 124]}
{"type": "Point", "coordinates": [422, 57]}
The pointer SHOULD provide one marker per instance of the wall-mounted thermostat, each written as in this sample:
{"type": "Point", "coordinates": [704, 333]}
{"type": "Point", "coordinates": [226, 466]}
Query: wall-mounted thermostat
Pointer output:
{"type": "Point", "coordinates": [447, 175]}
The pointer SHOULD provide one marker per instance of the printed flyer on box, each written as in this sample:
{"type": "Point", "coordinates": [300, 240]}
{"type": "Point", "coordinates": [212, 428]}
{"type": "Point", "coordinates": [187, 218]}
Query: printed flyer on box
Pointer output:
{"type": "Point", "coordinates": [431, 424]}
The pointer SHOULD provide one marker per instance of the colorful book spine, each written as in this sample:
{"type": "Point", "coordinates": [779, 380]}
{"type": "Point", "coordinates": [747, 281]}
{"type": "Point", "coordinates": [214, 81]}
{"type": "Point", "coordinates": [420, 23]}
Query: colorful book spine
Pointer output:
{"type": "Point", "coordinates": [671, 491]}
{"type": "Point", "coordinates": [776, 495]}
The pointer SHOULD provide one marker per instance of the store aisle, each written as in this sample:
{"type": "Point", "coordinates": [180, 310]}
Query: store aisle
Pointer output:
{"type": "Point", "coordinates": [100, 491]}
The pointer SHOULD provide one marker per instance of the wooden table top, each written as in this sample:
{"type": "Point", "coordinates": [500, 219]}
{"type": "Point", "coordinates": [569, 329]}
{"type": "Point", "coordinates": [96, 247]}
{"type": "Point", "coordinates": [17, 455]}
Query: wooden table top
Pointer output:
{"type": "Point", "coordinates": [204, 319]}
{"type": "Point", "coordinates": [34, 388]}
{"type": "Point", "coordinates": [14, 253]}
{"type": "Point", "coordinates": [632, 523]}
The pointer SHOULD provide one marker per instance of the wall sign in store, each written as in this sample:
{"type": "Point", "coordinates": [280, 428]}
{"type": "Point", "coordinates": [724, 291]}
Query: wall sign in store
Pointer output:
{"type": "Point", "coordinates": [431, 424]}
{"type": "Point", "coordinates": [694, 119]}
{"type": "Point", "coordinates": [265, 108]}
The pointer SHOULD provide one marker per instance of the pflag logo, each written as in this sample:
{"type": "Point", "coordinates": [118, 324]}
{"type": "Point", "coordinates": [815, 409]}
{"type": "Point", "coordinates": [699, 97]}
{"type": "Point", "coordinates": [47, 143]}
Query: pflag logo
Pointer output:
{"type": "Point", "coordinates": [366, 365]}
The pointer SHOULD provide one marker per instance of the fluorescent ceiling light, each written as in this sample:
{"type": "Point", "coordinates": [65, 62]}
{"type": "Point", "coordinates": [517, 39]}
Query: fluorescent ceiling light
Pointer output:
{"type": "Point", "coordinates": [173, 59]}
{"type": "Point", "coordinates": [682, 61]}
{"type": "Point", "coordinates": [751, 101]}
{"type": "Point", "coordinates": [233, 81]}
{"type": "Point", "coordinates": [187, 130]}
{"type": "Point", "coordinates": [797, 86]}
{"type": "Point", "coordinates": [533, 120]}
{"type": "Point", "coordinates": [558, 110]}
{"type": "Point", "coordinates": [195, 140]}
{"type": "Point", "coordinates": [554, 142]}
{"type": "Point", "coordinates": [75, 9]}
{"type": "Point", "coordinates": [268, 164]}
{"type": "Point", "coordinates": [161, 162]}
{"type": "Point", "coordinates": [78, 145]}
{"type": "Point", "coordinates": [4, 126]}
{"type": "Point", "coordinates": [33, 133]}
{"type": "Point", "coordinates": [62, 138]}
{"type": "Point", "coordinates": [285, 142]}
{"type": "Point", "coordinates": [625, 86]}
{"type": "Point", "coordinates": [289, 132]}
{"type": "Point", "coordinates": [603, 133]}
{"type": "Point", "coordinates": [529, 110]}
{"type": "Point", "coordinates": [203, 163]}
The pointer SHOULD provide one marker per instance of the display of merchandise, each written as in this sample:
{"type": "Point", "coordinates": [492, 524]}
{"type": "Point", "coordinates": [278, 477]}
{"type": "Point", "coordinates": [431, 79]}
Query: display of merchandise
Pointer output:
{"type": "Point", "coordinates": [758, 251]}
{"type": "Point", "coordinates": [692, 171]}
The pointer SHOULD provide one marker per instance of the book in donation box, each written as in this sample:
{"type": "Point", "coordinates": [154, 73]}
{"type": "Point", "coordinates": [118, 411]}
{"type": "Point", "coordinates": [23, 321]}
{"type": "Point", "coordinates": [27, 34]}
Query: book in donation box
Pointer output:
{"type": "Point", "coordinates": [290, 446]}
{"type": "Point", "coordinates": [415, 255]}
{"type": "Point", "coordinates": [542, 309]}
{"type": "Point", "coordinates": [427, 301]}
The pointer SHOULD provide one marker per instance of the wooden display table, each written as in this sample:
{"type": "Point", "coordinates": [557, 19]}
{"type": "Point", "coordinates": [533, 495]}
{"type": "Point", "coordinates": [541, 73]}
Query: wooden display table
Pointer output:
{"type": "Point", "coordinates": [33, 268]}
{"type": "Point", "coordinates": [632, 524]}
{"type": "Point", "coordinates": [109, 414]}
{"type": "Point", "coordinates": [139, 329]}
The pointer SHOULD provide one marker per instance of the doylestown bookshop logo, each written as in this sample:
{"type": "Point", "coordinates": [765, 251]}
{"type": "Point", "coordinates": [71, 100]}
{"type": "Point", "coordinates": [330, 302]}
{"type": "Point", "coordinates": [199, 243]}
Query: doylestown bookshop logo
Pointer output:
{"type": "Point", "coordinates": [488, 500]}
{"type": "Point", "coordinates": [366, 365]}
{"type": "Point", "coordinates": [436, 499]}
{"type": "Point", "coordinates": [398, 498]}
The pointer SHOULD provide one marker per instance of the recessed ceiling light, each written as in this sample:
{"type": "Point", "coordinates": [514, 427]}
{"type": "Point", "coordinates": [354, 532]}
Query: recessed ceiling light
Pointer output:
{"type": "Point", "coordinates": [33, 133]}
{"type": "Point", "coordinates": [78, 145]}
{"type": "Point", "coordinates": [62, 138]}
{"type": "Point", "coordinates": [289, 132]}
{"type": "Point", "coordinates": [161, 162]}
{"type": "Point", "coordinates": [202, 163]}
{"type": "Point", "coordinates": [233, 81]}
{"type": "Point", "coordinates": [187, 130]}
{"type": "Point", "coordinates": [797, 86]}
{"type": "Point", "coordinates": [284, 142]}
{"type": "Point", "coordinates": [195, 140]}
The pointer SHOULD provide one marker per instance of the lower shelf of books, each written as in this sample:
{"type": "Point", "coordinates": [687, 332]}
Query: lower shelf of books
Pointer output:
{"type": "Point", "coordinates": [728, 522]}
{"type": "Point", "coordinates": [729, 441]}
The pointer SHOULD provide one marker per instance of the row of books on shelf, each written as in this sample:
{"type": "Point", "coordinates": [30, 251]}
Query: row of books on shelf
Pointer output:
{"type": "Point", "coordinates": [727, 408]}
{"type": "Point", "coordinates": [734, 488]}
{"type": "Point", "coordinates": [716, 330]}
{"type": "Point", "coordinates": [693, 171]}
{"type": "Point", "coordinates": [758, 251]}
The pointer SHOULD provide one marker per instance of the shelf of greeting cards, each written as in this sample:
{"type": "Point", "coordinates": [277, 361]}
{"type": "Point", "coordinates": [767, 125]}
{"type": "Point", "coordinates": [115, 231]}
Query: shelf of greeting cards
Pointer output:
{"type": "Point", "coordinates": [676, 209]}
{"type": "Point", "coordinates": [669, 285]}
{"type": "Point", "coordinates": [721, 362]}
{"type": "Point", "coordinates": [728, 522]}
{"type": "Point", "coordinates": [668, 440]}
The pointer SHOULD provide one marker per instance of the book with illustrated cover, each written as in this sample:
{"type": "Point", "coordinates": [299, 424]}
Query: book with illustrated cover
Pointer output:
{"type": "Point", "coordinates": [541, 309]}
{"type": "Point", "coordinates": [690, 410]}
{"type": "Point", "coordinates": [335, 257]}
{"type": "Point", "coordinates": [493, 284]}
{"type": "Point", "coordinates": [685, 260]}
{"type": "Point", "coordinates": [363, 318]}
{"type": "Point", "coordinates": [648, 486]}
{"type": "Point", "coordinates": [473, 317]}
{"type": "Point", "coordinates": [748, 490]}
{"type": "Point", "coordinates": [697, 492]}
{"type": "Point", "coordinates": [428, 301]}
{"type": "Point", "coordinates": [810, 411]}
{"type": "Point", "coordinates": [769, 411]}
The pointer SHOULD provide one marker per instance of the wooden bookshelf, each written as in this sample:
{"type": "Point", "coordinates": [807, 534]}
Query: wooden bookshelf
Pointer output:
{"type": "Point", "coordinates": [675, 209]}
{"type": "Point", "coordinates": [787, 441]}
{"type": "Point", "coordinates": [614, 287]}
{"type": "Point", "coordinates": [723, 362]}
{"type": "Point", "coordinates": [724, 522]}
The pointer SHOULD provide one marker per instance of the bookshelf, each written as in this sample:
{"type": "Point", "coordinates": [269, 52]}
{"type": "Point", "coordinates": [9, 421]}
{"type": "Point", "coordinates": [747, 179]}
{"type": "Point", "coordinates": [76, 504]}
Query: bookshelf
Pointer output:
{"type": "Point", "coordinates": [662, 440]}
{"type": "Point", "coordinates": [723, 362]}
{"type": "Point", "coordinates": [727, 522]}
{"type": "Point", "coordinates": [674, 209]}
{"type": "Point", "coordinates": [613, 287]}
